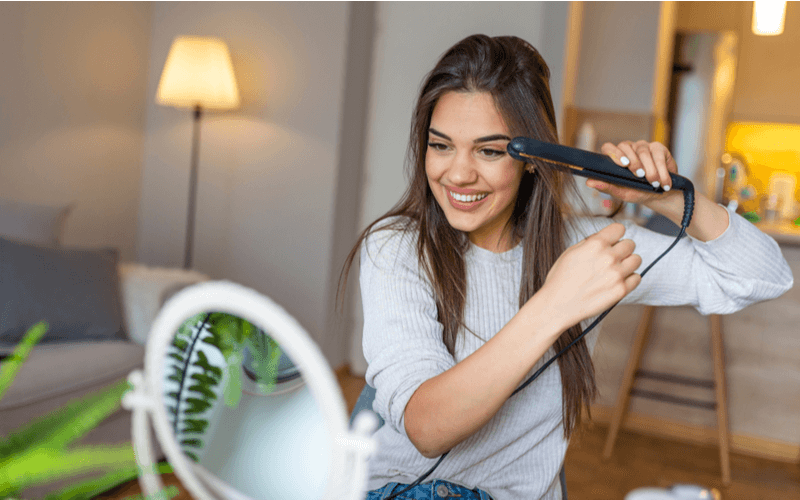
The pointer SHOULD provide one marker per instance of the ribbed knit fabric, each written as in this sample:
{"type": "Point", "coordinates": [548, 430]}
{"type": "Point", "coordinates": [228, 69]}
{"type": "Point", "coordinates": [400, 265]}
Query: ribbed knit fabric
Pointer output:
{"type": "Point", "coordinates": [517, 455]}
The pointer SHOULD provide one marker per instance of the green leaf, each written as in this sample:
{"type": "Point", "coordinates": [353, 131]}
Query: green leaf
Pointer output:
{"type": "Point", "coordinates": [191, 455]}
{"type": "Point", "coordinates": [180, 344]}
{"type": "Point", "coordinates": [194, 443]}
{"type": "Point", "coordinates": [211, 340]}
{"type": "Point", "coordinates": [91, 488]}
{"type": "Point", "coordinates": [204, 379]}
{"type": "Point", "coordinates": [233, 390]}
{"type": "Point", "coordinates": [196, 406]}
{"type": "Point", "coordinates": [194, 426]}
{"type": "Point", "coordinates": [66, 424]}
{"type": "Point", "coordinates": [204, 390]}
{"type": "Point", "coordinates": [177, 357]}
{"type": "Point", "coordinates": [11, 365]}
{"type": "Point", "coordinates": [202, 361]}
{"type": "Point", "coordinates": [42, 465]}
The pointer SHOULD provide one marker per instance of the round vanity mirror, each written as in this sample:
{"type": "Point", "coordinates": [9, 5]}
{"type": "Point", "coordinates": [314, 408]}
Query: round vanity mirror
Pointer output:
{"type": "Point", "coordinates": [243, 403]}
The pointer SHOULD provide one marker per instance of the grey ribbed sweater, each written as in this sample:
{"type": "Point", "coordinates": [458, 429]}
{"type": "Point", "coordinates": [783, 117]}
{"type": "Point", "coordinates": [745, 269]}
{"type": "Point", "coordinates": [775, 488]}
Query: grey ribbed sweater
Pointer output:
{"type": "Point", "coordinates": [517, 455]}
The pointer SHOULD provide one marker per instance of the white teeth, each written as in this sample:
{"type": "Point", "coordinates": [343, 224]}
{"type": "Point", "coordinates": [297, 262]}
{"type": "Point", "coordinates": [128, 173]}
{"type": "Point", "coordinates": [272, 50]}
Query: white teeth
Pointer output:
{"type": "Point", "coordinates": [467, 198]}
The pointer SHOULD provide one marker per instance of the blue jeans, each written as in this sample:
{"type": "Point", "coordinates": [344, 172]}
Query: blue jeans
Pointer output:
{"type": "Point", "coordinates": [438, 489]}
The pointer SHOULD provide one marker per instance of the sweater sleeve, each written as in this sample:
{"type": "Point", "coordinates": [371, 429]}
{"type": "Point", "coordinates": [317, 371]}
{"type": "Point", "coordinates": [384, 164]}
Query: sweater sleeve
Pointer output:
{"type": "Point", "coordinates": [402, 338]}
{"type": "Point", "coordinates": [740, 267]}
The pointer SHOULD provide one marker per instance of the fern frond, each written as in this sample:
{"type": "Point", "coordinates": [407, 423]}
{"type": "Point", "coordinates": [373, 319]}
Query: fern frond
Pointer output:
{"type": "Point", "coordinates": [194, 443]}
{"type": "Point", "coordinates": [196, 406]}
{"type": "Point", "coordinates": [180, 344]}
{"type": "Point", "coordinates": [204, 390]}
{"type": "Point", "coordinates": [194, 426]}
{"type": "Point", "coordinates": [204, 379]}
{"type": "Point", "coordinates": [202, 361]}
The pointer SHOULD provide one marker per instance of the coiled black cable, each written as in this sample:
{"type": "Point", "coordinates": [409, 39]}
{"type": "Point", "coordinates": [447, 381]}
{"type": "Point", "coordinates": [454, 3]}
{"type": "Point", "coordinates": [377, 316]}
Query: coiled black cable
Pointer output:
{"type": "Point", "coordinates": [688, 210]}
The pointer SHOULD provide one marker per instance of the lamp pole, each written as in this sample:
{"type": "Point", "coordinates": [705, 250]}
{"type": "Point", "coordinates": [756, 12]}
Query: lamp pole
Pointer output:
{"type": "Point", "coordinates": [191, 214]}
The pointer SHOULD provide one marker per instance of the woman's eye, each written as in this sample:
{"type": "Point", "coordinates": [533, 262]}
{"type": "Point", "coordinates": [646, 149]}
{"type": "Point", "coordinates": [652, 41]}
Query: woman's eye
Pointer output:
{"type": "Point", "coordinates": [437, 146]}
{"type": "Point", "coordinates": [492, 153]}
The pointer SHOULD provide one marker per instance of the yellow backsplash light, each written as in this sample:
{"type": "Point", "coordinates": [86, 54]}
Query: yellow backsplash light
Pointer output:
{"type": "Point", "coordinates": [766, 149]}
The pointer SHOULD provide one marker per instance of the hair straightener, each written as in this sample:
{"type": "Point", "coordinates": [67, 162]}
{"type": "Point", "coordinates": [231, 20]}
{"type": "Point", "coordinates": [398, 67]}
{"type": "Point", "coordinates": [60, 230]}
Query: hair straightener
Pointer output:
{"type": "Point", "coordinates": [594, 166]}
{"type": "Point", "coordinates": [586, 164]}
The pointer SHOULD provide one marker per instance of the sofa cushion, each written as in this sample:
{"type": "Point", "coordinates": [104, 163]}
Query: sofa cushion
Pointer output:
{"type": "Point", "coordinates": [144, 290]}
{"type": "Point", "coordinates": [31, 222]}
{"type": "Point", "coordinates": [75, 290]}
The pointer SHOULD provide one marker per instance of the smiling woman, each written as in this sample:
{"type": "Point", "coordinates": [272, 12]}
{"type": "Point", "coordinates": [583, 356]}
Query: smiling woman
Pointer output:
{"type": "Point", "coordinates": [470, 173]}
{"type": "Point", "coordinates": [480, 274]}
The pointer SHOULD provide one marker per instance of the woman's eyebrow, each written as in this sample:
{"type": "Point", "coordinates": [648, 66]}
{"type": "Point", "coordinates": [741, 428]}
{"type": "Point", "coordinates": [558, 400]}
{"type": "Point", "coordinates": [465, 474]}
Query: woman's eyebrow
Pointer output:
{"type": "Point", "coordinates": [488, 138]}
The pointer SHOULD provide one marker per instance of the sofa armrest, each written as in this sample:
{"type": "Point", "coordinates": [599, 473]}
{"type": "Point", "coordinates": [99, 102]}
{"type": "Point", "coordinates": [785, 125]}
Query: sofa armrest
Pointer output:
{"type": "Point", "coordinates": [144, 289]}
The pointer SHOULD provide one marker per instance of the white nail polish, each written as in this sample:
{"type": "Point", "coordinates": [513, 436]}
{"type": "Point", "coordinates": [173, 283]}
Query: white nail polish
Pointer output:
{"type": "Point", "coordinates": [640, 172]}
{"type": "Point", "coordinates": [666, 188]}
{"type": "Point", "coordinates": [656, 184]}
{"type": "Point", "coordinates": [625, 161]}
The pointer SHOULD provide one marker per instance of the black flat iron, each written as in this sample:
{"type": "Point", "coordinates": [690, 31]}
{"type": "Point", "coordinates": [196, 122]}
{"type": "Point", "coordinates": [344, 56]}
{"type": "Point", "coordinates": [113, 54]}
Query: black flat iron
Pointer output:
{"type": "Point", "coordinates": [586, 164]}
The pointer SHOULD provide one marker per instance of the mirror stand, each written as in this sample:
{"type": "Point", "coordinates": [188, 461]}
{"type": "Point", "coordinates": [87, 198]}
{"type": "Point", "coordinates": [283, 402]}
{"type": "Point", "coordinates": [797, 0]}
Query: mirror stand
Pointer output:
{"type": "Point", "coordinates": [339, 454]}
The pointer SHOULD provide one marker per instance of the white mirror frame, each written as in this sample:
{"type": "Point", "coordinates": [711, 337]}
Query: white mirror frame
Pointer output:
{"type": "Point", "coordinates": [350, 450]}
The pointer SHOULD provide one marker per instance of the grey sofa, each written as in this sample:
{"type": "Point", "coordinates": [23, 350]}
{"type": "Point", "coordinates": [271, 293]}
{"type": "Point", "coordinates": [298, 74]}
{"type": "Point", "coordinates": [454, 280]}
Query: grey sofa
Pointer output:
{"type": "Point", "coordinates": [79, 357]}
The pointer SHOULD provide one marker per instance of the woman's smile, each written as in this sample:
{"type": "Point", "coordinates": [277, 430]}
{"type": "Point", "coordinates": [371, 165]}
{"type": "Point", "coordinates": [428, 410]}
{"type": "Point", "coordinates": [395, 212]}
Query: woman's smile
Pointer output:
{"type": "Point", "coordinates": [465, 199]}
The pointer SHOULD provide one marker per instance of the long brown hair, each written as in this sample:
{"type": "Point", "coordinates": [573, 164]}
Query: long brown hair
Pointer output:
{"type": "Point", "coordinates": [517, 77]}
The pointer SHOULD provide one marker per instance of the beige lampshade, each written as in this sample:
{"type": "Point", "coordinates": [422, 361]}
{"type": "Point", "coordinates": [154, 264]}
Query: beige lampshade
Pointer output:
{"type": "Point", "coordinates": [198, 71]}
{"type": "Point", "coordinates": [769, 17]}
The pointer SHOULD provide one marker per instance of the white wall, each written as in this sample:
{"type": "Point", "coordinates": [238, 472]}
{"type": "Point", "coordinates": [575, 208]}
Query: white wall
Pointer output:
{"type": "Point", "coordinates": [72, 89]}
{"type": "Point", "coordinates": [618, 47]}
{"type": "Point", "coordinates": [410, 38]}
{"type": "Point", "coordinates": [268, 171]}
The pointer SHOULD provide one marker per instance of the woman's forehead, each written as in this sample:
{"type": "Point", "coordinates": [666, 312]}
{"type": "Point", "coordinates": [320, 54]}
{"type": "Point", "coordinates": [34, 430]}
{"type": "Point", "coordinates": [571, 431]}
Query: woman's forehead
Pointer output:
{"type": "Point", "coordinates": [467, 115]}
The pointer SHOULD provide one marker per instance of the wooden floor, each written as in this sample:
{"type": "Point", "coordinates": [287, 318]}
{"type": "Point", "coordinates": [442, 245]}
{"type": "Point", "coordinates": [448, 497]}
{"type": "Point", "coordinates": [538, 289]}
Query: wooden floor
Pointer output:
{"type": "Point", "coordinates": [638, 461]}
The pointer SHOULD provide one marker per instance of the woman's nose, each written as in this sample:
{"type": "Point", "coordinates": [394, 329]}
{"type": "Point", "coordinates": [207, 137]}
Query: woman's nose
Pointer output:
{"type": "Point", "coordinates": [462, 170]}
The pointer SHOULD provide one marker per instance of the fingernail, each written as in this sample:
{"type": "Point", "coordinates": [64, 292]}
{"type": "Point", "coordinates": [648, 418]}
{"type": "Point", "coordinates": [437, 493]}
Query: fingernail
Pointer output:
{"type": "Point", "coordinates": [666, 188]}
{"type": "Point", "coordinates": [625, 161]}
{"type": "Point", "coordinates": [656, 184]}
{"type": "Point", "coordinates": [640, 172]}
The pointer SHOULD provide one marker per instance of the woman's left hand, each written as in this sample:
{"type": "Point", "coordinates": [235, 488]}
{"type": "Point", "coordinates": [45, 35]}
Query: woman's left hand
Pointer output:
{"type": "Point", "coordinates": [649, 160]}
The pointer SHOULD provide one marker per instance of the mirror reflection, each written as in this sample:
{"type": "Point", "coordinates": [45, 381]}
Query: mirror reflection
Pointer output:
{"type": "Point", "coordinates": [241, 411]}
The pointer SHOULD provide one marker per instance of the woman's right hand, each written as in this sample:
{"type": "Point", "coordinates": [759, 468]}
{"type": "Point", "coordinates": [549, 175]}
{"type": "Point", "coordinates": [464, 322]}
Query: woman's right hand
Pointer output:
{"type": "Point", "coordinates": [592, 275]}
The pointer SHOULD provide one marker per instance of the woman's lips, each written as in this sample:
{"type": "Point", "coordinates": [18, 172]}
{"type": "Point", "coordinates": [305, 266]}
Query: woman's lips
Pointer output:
{"type": "Point", "coordinates": [465, 205]}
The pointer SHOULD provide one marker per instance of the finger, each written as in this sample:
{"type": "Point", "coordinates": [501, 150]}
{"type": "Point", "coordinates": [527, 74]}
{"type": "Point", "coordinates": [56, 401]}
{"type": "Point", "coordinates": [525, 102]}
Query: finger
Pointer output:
{"type": "Point", "coordinates": [623, 248]}
{"type": "Point", "coordinates": [659, 154]}
{"type": "Point", "coordinates": [615, 154]}
{"type": "Point", "coordinates": [631, 263]}
{"type": "Point", "coordinates": [672, 166]}
{"type": "Point", "coordinates": [636, 166]}
{"type": "Point", "coordinates": [632, 281]}
{"type": "Point", "coordinates": [645, 155]}
{"type": "Point", "coordinates": [611, 233]}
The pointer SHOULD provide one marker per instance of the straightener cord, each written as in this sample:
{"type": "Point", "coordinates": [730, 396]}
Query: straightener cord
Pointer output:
{"type": "Point", "coordinates": [688, 210]}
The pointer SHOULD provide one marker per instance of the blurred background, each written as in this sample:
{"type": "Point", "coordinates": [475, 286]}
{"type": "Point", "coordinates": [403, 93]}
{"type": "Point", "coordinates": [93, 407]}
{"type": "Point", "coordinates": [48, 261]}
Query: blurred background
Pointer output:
{"type": "Point", "coordinates": [316, 148]}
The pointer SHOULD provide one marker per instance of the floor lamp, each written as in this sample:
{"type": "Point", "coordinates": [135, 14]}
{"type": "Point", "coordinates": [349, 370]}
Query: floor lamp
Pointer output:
{"type": "Point", "coordinates": [198, 75]}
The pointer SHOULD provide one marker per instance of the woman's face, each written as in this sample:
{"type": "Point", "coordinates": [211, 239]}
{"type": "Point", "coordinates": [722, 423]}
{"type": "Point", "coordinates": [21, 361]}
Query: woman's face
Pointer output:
{"type": "Point", "coordinates": [472, 177]}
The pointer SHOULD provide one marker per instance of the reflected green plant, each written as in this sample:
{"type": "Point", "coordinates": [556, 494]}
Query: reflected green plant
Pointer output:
{"type": "Point", "coordinates": [198, 378]}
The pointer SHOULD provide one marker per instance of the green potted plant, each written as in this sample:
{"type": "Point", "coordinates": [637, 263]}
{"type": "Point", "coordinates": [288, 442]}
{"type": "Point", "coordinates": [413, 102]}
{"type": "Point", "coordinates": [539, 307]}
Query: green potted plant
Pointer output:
{"type": "Point", "coordinates": [39, 453]}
